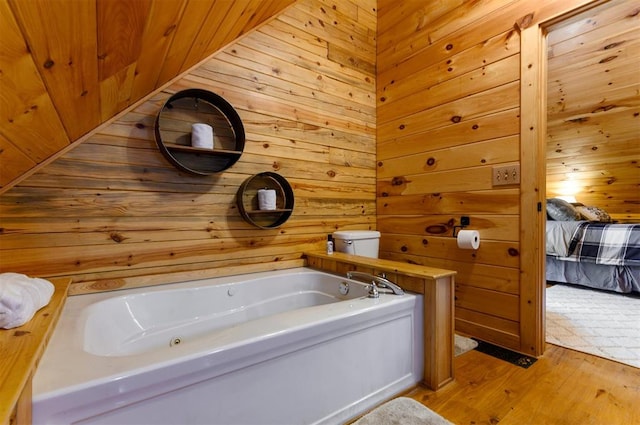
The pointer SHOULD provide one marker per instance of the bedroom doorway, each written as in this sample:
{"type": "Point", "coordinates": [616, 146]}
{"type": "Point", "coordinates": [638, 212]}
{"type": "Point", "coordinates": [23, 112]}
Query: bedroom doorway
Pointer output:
{"type": "Point", "coordinates": [591, 97]}
{"type": "Point", "coordinates": [591, 74]}
{"type": "Point", "coordinates": [533, 160]}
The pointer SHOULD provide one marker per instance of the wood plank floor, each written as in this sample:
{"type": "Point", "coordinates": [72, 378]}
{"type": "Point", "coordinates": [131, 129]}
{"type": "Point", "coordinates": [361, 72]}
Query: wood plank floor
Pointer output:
{"type": "Point", "coordinates": [564, 387]}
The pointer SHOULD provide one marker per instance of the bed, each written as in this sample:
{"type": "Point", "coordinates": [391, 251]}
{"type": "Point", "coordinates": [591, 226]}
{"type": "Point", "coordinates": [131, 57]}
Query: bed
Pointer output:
{"type": "Point", "coordinates": [594, 254]}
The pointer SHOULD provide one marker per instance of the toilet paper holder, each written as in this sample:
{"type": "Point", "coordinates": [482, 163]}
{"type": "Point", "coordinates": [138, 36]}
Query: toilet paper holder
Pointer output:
{"type": "Point", "coordinates": [464, 222]}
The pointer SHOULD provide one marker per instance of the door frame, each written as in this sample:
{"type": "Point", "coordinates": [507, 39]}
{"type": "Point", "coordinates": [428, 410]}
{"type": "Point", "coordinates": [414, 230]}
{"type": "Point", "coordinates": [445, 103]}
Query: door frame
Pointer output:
{"type": "Point", "coordinates": [533, 128]}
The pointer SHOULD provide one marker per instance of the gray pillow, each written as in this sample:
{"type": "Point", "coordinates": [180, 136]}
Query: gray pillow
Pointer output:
{"type": "Point", "coordinates": [560, 210]}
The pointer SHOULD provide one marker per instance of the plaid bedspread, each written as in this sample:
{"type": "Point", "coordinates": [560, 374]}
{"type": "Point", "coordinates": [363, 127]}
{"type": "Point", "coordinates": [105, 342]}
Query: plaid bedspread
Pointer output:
{"type": "Point", "coordinates": [603, 243]}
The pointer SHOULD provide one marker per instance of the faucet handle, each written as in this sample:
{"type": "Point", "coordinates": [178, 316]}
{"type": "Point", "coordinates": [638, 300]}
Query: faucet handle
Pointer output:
{"type": "Point", "coordinates": [373, 290]}
{"type": "Point", "coordinates": [366, 277]}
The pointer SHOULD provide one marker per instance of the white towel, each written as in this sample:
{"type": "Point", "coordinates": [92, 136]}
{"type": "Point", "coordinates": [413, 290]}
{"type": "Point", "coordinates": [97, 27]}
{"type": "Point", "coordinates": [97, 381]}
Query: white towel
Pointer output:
{"type": "Point", "coordinates": [20, 297]}
{"type": "Point", "coordinates": [266, 199]}
{"type": "Point", "coordinates": [202, 136]}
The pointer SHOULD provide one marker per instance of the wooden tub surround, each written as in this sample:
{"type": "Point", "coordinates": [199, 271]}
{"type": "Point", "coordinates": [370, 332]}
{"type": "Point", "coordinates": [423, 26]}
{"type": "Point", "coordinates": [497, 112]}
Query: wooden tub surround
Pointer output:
{"type": "Point", "coordinates": [20, 351]}
{"type": "Point", "coordinates": [21, 348]}
{"type": "Point", "coordinates": [437, 287]}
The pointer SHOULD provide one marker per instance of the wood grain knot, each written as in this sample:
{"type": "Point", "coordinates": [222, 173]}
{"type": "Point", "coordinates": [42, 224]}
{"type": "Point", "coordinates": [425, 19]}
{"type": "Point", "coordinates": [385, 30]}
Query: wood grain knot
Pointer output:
{"type": "Point", "coordinates": [21, 333]}
{"type": "Point", "coordinates": [612, 45]}
{"type": "Point", "coordinates": [456, 119]}
{"type": "Point", "coordinates": [603, 108]}
{"type": "Point", "coordinates": [608, 59]}
{"type": "Point", "coordinates": [431, 161]}
{"type": "Point", "coordinates": [169, 30]}
{"type": "Point", "coordinates": [397, 181]}
{"type": "Point", "coordinates": [102, 285]}
{"type": "Point", "coordinates": [116, 237]}
{"type": "Point", "coordinates": [525, 21]}
{"type": "Point", "coordinates": [513, 252]}
{"type": "Point", "coordinates": [437, 229]}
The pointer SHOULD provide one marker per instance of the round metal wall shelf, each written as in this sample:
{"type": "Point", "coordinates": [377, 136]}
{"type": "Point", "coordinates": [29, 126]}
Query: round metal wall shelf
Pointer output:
{"type": "Point", "coordinates": [173, 132]}
{"type": "Point", "coordinates": [247, 199]}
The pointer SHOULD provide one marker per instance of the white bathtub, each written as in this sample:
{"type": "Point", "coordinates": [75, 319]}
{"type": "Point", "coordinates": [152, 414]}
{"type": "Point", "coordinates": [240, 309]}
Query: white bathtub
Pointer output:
{"type": "Point", "coordinates": [281, 347]}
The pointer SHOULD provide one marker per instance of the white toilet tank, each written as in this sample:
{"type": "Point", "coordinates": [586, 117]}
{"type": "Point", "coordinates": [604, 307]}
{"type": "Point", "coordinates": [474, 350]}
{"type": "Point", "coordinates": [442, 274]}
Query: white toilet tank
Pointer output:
{"type": "Point", "coordinates": [357, 242]}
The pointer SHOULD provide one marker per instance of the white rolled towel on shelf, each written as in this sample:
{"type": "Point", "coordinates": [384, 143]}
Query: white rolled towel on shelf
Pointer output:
{"type": "Point", "coordinates": [201, 136]}
{"type": "Point", "coordinates": [266, 199]}
{"type": "Point", "coordinates": [20, 297]}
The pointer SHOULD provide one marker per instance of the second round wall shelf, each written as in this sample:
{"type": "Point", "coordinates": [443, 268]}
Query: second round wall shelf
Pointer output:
{"type": "Point", "coordinates": [247, 199]}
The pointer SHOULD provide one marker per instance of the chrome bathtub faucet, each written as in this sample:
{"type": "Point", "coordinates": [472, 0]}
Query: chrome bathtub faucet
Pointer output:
{"type": "Point", "coordinates": [376, 282]}
{"type": "Point", "coordinates": [373, 290]}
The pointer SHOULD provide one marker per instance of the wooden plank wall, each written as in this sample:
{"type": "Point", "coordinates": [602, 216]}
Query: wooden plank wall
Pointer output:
{"type": "Point", "coordinates": [448, 112]}
{"type": "Point", "coordinates": [593, 123]}
{"type": "Point", "coordinates": [113, 213]}
{"type": "Point", "coordinates": [69, 66]}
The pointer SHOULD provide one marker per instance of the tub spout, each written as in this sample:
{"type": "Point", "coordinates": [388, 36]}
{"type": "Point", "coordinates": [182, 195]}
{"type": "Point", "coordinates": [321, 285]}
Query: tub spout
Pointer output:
{"type": "Point", "coordinates": [380, 281]}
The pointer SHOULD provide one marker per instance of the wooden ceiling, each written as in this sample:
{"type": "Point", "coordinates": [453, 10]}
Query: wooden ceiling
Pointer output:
{"type": "Point", "coordinates": [68, 66]}
{"type": "Point", "coordinates": [593, 99]}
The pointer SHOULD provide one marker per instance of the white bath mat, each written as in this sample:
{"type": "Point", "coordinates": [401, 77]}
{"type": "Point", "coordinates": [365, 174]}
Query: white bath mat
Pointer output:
{"type": "Point", "coordinates": [605, 324]}
{"type": "Point", "coordinates": [402, 411]}
{"type": "Point", "coordinates": [464, 344]}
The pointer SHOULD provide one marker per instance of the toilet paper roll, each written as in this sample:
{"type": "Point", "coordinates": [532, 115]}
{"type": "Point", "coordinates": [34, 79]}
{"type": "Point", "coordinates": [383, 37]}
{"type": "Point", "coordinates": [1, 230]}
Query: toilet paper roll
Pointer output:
{"type": "Point", "coordinates": [468, 239]}
{"type": "Point", "coordinates": [201, 136]}
{"type": "Point", "coordinates": [267, 199]}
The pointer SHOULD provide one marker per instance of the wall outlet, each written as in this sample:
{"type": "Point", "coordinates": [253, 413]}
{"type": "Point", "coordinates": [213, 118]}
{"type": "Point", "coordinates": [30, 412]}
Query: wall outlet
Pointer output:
{"type": "Point", "coordinates": [504, 175]}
